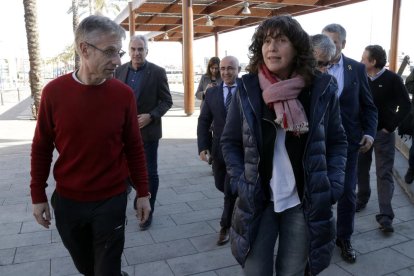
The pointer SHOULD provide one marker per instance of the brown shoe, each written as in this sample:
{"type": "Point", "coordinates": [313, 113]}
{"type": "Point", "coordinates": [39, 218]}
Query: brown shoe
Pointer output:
{"type": "Point", "coordinates": [223, 236]}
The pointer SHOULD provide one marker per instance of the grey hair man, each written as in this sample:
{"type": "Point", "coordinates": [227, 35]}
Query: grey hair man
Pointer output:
{"type": "Point", "coordinates": [323, 50]}
{"type": "Point", "coordinates": [90, 118]}
{"type": "Point", "coordinates": [153, 99]}
{"type": "Point", "coordinates": [359, 118]}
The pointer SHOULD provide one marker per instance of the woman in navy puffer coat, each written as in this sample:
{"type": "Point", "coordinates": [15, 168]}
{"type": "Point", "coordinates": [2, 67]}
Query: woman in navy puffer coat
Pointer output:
{"type": "Point", "coordinates": [285, 151]}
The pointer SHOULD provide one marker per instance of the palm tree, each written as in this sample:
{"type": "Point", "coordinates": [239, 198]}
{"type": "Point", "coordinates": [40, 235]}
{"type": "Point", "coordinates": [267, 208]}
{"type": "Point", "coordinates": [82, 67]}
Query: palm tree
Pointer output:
{"type": "Point", "coordinates": [75, 22]}
{"type": "Point", "coordinates": [32, 35]}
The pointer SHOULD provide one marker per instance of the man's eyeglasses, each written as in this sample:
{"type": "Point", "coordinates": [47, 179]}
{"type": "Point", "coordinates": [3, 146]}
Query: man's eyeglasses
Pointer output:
{"type": "Point", "coordinates": [227, 68]}
{"type": "Point", "coordinates": [321, 64]}
{"type": "Point", "coordinates": [109, 53]}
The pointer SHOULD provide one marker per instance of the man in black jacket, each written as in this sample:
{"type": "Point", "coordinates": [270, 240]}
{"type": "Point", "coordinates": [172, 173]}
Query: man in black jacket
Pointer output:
{"type": "Point", "coordinates": [215, 107]}
{"type": "Point", "coordinates": [393, 104]}
{"type": "Point", "coordinates": [150, 85]}
{"type": "Point", "coordinates": [409, 176]}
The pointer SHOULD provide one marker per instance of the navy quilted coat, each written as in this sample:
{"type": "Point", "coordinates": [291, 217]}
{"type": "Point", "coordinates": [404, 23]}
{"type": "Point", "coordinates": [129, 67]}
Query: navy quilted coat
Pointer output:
{"type": "Point", "coordinates": [323, 163]}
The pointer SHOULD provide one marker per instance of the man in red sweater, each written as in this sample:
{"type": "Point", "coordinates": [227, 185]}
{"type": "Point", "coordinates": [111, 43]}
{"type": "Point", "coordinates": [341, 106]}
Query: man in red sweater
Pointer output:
{"type": "Point", "coordinates": [91, 120]}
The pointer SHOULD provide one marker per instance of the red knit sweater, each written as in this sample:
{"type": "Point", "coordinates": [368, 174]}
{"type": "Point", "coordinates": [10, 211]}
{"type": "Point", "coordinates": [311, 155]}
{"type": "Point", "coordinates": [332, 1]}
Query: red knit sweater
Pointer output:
{"type": "Point", "coordinates": [94, 128]}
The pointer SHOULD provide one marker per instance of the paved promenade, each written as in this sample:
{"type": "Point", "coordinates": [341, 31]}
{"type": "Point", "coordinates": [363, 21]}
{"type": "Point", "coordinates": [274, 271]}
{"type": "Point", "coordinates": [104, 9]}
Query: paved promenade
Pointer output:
{"type": "Point", "coordinates": [182, 239]}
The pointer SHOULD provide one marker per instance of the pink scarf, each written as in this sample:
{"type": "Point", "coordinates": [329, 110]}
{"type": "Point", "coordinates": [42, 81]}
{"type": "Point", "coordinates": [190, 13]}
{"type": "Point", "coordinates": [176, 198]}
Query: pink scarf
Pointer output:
{"type": "Point", "coordinates": [282, 96]}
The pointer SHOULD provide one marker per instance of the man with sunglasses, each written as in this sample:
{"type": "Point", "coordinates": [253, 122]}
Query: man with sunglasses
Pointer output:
{"type": "Point", "coordinates": [153, 100]}
{"type": "Point", "coordinates": [90, 119]}
{"type": "Point", "coordinates": [323, 50]}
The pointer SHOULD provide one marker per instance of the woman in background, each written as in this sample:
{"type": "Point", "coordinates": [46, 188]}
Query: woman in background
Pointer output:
{"type": "Point", "coordinates": [209, 79]}
{"type": "Point", "coordinates": [285, 152]}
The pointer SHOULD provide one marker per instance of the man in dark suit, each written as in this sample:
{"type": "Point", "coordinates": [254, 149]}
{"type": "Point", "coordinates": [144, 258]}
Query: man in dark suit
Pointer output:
{"type": "Point", "coordinates": [215, 107]}
{"type": "Point", "coordinates": [153, 98]}
{"type": "Point", "coordinates": [359, 118]}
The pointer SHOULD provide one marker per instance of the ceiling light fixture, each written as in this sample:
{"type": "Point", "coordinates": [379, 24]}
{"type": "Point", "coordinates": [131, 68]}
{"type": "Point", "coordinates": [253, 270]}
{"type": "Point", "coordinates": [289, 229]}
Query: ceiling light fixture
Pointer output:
{"type": "Point", "coordinates": [246, 9]}
{"type": "Point", "coordinates": [209, 22]}
{"type": "Point", "coordinates": [166, 37]}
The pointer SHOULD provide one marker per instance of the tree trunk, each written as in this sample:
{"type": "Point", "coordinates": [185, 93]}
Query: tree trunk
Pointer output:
{"type": "Point", "coordinates": [32, 34]}
{"type": "Point", "coordinates": [75, 23]}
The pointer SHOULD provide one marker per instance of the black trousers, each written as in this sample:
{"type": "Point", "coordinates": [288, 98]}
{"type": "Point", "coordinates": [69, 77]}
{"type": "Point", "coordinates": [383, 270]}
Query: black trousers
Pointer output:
{"type": "Point", "coordinates": [93, 232]}
{"type": "Point", "coordinates": [222, 182]}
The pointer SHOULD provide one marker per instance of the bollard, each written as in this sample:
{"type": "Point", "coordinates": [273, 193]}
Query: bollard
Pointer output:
{"type": "Point", "coordinates": [18, 94]}
{"type": "Point", "coordinates": [1, 95]}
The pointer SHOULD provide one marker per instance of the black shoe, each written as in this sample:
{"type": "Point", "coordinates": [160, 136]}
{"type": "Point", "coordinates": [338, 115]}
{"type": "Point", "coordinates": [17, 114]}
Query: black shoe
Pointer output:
{"type": "Point", "coordinates": [360, 207]}
{"type": "Point", "coordinates": [386, 227]}
{"type": "Point", "coordinates": [223, 236]}
{"type": "Point", "coordinates": [347, 252]}
{"type": "Point", "coordinates": [144, 226]}
{"type": "Point", "coordinates": [123, 273]}
{"type": "Point", "coordinates": [409, 176]}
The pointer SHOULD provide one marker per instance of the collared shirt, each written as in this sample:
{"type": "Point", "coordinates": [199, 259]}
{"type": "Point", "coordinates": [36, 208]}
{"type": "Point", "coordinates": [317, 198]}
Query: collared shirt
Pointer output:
{"type": "Point", "coordinates": [233, 88]}
{"type": "Point", "coordinates": [134, 76]}
{"type": "Point", "coordinates": [337, 70]}
{"type": "Point", "coordinates": [377, 75]}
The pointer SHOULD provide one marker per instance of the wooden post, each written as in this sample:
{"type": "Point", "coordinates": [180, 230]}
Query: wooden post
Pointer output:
{"type": "Point", "coordinates": [216, 40]}
{"type": "Point", "coordinates": [394, 35]}
{"type": "Point", "coordinates": [188, 70]}
{"type": "Point", "coordinates": [131, 19]}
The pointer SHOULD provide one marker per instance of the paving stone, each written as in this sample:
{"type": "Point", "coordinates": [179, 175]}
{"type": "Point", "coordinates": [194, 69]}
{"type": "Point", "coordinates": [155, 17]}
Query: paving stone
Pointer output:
{"type": "Point", "coordinates": [26, 239]}
{"type": "Point", "coordinates": [405, 228]}
{"type": "Point", "coordinates": [55, 236]}
{"type": "Point", "coordinates": [193, 188]}
{"type": "Point", "coordinates": [181, 232]}
{"type": "Point", "coordinates": [405, 272]}
{"type": "Point", "coordinates": [158, 222]}
{"type": "Point", "coordinates": [63, 266]}
{"type": "Point", "coordinates": [168, 196]}
{"type": "Point", "coordinates": [197, 216]}
{"type": "Point", "coordinates": [213, 193]}
{"type": "Point", "coordinates": [334, 269]}
{"type": "Point", "coordinates": [159, 268]}
{"type": "Point", "coordinates": [235, 270]}
{"type": "Point", "coordinates": [405, 213]}
{"type": "Point", "coordinates": [158, 252]}
{"type": "Point", "coordinates": [40, 252]}
{"type": "Point", "coordinates": [375, 240]}
{"type": "Point", "coordinates": [41, 268]}
{"type": "Point", "coordinates": [207, 242]}
{"type": "Point", "coordinates": [209, 273]}
{"type": "Point", "coordinates": [206, 204]}
{"type": "Point", "coordinates": [7, 256]}
{"type": "Point", "coordinates": [33, 226]}
{"type": "Point", "coordinates": [137, 238]}
{"type": "Point", "coordinates": [205, 261]}
{"type": "Point", "coordinates": [378, 263]}
{"type": "Point", "coordinates": [406, 248]}
{"type": "Point", "coordinates": [10, 228]}
{"type": "Point", "coordinates": [175, 208]}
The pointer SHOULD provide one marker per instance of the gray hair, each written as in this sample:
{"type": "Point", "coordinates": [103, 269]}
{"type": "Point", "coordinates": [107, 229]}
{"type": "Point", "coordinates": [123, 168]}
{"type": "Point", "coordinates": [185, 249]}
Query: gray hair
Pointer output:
{"type": "Point", "coordinates": [336, 28]}
{"type": "Point", "coordinates": [143, 38]}
{"type": "Point", "coordinates": [95, 25]}
{"type": "Point", "coordinates": [324, 43]}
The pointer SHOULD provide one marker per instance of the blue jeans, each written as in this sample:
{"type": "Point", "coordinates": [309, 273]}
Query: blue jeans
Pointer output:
{"type": "Point", "coordinates": [151, 155]}
{"type": "Point", "coordinates": [292, 253]}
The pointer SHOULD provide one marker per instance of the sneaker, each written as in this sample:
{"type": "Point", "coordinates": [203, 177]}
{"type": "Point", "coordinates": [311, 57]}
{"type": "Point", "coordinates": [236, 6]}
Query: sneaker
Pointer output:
{"type": "Point", "coordinates": [409, 176]}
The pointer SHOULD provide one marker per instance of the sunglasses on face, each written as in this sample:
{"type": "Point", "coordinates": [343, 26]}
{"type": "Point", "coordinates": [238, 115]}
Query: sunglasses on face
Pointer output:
{"type": "Point", "coordinates": [322, 63]}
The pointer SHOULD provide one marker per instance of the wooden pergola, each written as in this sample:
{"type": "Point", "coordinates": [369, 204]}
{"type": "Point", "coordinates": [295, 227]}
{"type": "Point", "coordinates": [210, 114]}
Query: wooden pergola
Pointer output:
{"type": "Point", "coordinates": [187, 20]}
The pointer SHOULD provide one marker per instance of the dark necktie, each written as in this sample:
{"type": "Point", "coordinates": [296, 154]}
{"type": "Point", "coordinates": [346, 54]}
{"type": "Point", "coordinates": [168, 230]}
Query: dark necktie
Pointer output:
{"type": "Point", "coordinates": [228, 99]}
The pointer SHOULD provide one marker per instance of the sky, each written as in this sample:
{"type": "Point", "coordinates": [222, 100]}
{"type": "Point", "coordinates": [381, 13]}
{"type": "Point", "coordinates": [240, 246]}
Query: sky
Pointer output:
{"type": "Point", "coordinates": [366, 23]}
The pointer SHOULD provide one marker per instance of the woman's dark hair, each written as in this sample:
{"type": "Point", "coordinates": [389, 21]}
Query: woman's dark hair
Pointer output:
{"type": "Point", "coordinates": [304, 62]}
{"type": "Point", "coordinates": [211, 62]}
{"type": "Point", "coordinates": [377, 53]}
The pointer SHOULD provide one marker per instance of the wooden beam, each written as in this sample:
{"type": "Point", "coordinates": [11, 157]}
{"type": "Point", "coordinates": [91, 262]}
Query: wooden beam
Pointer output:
{"type": "Point", "coordinates": [131, 20]}
{"type": "Point", "coordinates": [395, 34]}
{"type": "Point", "coordinates": [188, 70]}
